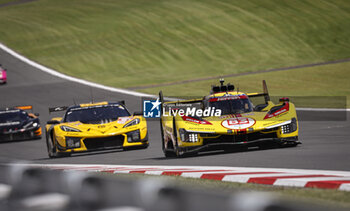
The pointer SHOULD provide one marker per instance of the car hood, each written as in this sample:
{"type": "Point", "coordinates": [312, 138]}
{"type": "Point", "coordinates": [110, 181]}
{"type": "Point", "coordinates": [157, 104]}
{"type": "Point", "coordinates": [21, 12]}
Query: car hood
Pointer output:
{"type": "Point", "coordinates": [107, 128]}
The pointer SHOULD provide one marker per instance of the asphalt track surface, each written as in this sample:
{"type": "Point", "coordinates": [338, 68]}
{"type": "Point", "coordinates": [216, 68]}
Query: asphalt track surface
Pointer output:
{"type": "Point", "coordinates": [325, 135]}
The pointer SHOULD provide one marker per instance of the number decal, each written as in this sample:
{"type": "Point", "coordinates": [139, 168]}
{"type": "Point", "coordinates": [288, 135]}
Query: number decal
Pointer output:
{"type": "Point", "coordinates": [238, 123]}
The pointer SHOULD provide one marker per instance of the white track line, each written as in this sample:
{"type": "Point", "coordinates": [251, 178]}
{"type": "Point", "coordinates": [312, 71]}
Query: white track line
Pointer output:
{"type": "Point", "coordinates": [108, 88]}
{"type": "Point", "coordinates": [70, 78]}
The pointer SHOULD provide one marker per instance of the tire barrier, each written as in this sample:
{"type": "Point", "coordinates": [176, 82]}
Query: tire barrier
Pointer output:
{"type": "Point", "coordinates": [24, 187]}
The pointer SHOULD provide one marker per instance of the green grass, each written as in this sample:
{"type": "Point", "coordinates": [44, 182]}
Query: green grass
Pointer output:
{"type": "Point", "coordinates": [314, 82]}
{"type": "Point", "coordinates": [310, 195]}
{"type": "Point", "coordinates": [6, 1]}
{"type": "Point", "coordinates": [129, 43]}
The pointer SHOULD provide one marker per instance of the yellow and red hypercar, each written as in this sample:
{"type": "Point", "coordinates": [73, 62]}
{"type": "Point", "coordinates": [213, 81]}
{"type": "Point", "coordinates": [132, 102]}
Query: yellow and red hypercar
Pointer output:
{"type": "Point", "coordinates": [225, 119]}
{"type": "Point", "coordinates": [94, 126]}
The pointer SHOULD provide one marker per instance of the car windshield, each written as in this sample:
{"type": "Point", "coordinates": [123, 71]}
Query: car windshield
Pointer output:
{"type": "Point", "coordinates": [13, 116]}
{"type": "Point", "coordinates": [96, 114]}
{"type": "Point", "coordinates": [232, 105]}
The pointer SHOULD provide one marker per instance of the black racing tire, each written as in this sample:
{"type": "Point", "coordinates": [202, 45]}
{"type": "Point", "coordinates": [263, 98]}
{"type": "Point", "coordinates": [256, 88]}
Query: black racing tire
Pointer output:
{"type": "Point", "coordinates": [162, 134]}
{"type": "Point", "coordinates": [51, 150]}
{"type": "Point", "coordinates": [178, 153]}
{"type": "Point", "coordinates": [168, 153]}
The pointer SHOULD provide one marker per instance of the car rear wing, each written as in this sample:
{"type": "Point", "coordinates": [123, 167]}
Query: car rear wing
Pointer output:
{"type": "Point", "coordinates": [27, 107]}
{"type": "Point", "coordinates": [64, 108]}
{"type": "Point", "coordinates": [265, 93]}
{"type": "Point", "coordinates": [57, 109]}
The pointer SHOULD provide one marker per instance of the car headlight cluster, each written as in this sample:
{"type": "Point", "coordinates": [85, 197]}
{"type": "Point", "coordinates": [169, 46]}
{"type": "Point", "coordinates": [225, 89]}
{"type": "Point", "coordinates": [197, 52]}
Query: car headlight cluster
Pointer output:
{"type": "Point", "coordinates": [69, 129]}
{"type": "Point", "coordinates": [134, 136]}
{"type": "Point", "coordinates": [133, 122]}
{"type": "Point", "coordinates": [30, 124]}
{"type": "Point", "coordinates": [188, 137]}
{"type": "Point", "coordinates": [290, 128]}
{"type": "Point", "coordinates": [73, 142]}
{"type": "Point", "coordinates": [193, 137]}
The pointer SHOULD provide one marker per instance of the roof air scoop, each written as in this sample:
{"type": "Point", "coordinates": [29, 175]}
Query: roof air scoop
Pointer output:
{"type": "Point", "coordinates": [222, 87]}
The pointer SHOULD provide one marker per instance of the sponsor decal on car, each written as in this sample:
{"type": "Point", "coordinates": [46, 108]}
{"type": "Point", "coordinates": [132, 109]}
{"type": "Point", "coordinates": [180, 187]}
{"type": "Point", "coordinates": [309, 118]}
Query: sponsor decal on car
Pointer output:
{"type": "Point", "coordinates": [280, 111]}
{"type": "Point", "coordinates": [190, 119]}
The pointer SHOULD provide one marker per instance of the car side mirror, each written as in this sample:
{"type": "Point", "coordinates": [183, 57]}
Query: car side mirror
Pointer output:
{"type": "Point", "coordinates": [53, 122]}
{"type": "Point", "coordinates": [36, 114]}
{"type": "Point", "coordinates": [138, 113]}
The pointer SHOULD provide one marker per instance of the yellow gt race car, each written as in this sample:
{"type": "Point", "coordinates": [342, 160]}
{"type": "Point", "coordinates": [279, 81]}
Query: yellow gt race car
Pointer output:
{"type": "Point", "coordinates": [94, 126]}
{"type": "Point", "coordinates": [225, 119]}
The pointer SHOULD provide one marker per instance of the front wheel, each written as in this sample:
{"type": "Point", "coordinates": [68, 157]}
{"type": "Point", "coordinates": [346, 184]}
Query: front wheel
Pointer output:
{"type": "Point", "coordinates": [51, 149]}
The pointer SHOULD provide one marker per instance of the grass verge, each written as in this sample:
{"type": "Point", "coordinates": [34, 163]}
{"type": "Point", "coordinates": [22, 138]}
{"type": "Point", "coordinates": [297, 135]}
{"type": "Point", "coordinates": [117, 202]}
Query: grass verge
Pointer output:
{"type": "Point", "coordinates": [6, 1]}
{"type": "Point", "coordinates": [129, 43]}
{"type": "Point", "coordinates": [313, 82]}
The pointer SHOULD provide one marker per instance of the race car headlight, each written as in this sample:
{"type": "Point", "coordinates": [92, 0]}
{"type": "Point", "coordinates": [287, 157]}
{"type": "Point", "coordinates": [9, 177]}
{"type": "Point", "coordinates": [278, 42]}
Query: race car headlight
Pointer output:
{"type": "Point", "coordinates": [290, 128]}
{"type": "Point", "coordinates": [73, 142]}
{"type": "Point", "coordinates": [133, 122]}
{"type": "Point", "coordinates": [193, 137]}
{"type": "Point", "coordinates": [133, 136]}
{"type": "Point", "coordinates": [69, 129]}
{"type": "Point", "coordinates": [188, 137]}
{"type": "Point", "coordinates": [30, 124]}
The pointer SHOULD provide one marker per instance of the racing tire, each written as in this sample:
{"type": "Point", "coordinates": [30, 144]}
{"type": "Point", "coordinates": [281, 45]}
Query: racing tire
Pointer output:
{"type": "Point", "coordinates": [167, 153]}
{"type": "Point", "coordinates": [51, 150]}
{"type": "Point", "coordinates": [162, 135]}
{"type": "Point", "coordinates": [178, 153]}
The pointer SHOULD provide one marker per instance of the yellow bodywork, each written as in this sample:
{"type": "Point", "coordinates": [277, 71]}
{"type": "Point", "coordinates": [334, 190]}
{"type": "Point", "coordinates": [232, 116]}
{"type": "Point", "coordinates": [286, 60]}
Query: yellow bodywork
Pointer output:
{"type": "Point", "coordinates": [213, 127]}
{"type": "Point", "coordinates": [96, 131]}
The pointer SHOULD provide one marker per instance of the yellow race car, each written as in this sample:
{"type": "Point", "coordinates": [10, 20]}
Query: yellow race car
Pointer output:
{"type": "Point", "coordinates": [225, 119]}
{"type": "Point", "coordinates": [94, 126]}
